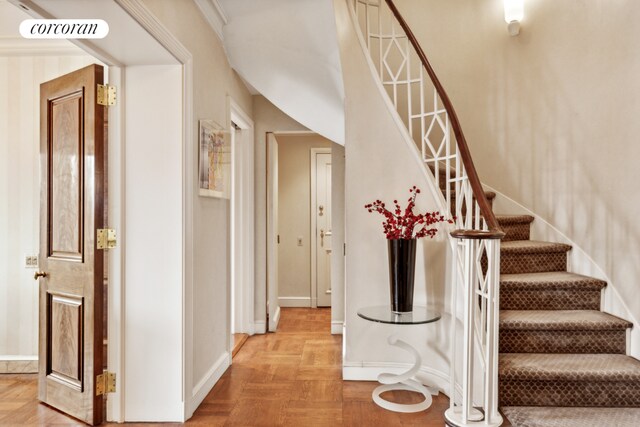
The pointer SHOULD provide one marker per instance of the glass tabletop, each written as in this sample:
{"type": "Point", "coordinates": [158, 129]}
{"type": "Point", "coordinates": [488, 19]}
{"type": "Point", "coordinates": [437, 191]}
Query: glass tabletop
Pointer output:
{"type": "Point", "coordinates": [383, 314]}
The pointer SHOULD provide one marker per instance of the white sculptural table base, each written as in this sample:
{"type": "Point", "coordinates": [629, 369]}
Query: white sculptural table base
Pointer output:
{"type": "Point", "coordinates": [405, 381]}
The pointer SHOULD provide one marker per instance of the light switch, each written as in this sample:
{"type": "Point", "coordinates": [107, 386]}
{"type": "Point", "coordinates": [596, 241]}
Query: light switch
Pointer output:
{"type": "Point", "coordinates": [299, 240]}
{"type": "Point", "coordinates": [31, 261]}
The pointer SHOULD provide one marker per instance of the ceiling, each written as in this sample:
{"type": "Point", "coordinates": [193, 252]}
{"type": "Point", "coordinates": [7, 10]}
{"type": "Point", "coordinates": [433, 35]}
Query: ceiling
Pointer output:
{"type": "Point", "coordinates": [288, 51]}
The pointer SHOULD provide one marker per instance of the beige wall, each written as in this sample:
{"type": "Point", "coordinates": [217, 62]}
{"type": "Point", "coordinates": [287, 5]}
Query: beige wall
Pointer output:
{"type": "Point", "coordinates": [20, 78]}
{"type": "Point", "coordinates": [380, 164]}
{"type": "Point", "coordinates": [213, 80]}
{"type": "Point", "coordinates": [551, 115]}
{"type": "Point", "coordinates": [294, 217]}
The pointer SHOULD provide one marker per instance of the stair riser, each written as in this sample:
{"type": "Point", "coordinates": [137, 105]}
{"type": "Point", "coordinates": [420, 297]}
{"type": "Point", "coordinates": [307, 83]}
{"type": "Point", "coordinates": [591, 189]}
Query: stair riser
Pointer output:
{"type": "Point", "coordinates": [569, 393]}
{"type": "Point", "coordinates": [516, 232]}
{"type": "Point", "coordinates": [532, 263]}
{"type": "Point", "coordinates": [531, 299]}
{"type": "Point", "coordinates": [571, 341]}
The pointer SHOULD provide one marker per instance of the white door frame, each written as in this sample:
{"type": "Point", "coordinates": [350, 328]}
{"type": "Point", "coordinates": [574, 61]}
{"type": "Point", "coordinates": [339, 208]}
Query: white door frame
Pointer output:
{"type": "Point", "coordinates": [242, 224]}
{"type": "Point", "coordinates": [116, 197]}
{"type": "Point", "coordinates": [273, 307]}
{"type": "Point", "coordinates": [314, 239]}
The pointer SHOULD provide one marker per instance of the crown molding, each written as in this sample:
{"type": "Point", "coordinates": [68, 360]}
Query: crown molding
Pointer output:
{"type": "Point", "coordinates": [214, 14]}
{"type": "Point", "coordinates": [138, 11]}
{"type": "Point", "coordinates": [18, 46]}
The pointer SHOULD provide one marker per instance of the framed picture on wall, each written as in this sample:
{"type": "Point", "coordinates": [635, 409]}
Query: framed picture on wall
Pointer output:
{"type": "Point", "coordinates": [214, 177]}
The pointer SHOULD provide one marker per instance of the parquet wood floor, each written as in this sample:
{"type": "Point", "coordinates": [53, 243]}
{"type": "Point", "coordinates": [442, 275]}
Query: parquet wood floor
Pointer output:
{"type": "Point", "coordinates": [288, 378]}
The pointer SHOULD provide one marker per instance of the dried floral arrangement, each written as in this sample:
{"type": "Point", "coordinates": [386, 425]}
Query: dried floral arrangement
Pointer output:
{"type": "Point", "coordinates": [399, 224]}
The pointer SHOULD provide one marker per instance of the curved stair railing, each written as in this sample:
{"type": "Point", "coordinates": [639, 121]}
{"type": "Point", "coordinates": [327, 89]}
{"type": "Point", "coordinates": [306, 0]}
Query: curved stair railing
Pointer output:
{"type": "Point", "coordinates": [425, 109]}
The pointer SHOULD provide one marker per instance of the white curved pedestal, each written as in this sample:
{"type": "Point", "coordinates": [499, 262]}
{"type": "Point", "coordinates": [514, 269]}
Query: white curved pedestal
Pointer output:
{"type": "Point", "coordinates": [402, 381]}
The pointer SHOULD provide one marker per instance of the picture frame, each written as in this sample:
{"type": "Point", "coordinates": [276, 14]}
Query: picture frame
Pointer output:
{"type": "Point", "coordinates": [214, 160]}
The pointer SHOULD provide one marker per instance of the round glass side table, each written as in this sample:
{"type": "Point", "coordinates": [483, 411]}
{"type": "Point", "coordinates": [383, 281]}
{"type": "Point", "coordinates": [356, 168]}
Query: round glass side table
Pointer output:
{"type": "Point", "coordinates": [406, 380]}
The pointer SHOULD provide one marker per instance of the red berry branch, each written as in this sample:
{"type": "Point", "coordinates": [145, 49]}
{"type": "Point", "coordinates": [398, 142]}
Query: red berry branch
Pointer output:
{"type": "Point", "coordinates": [407, 225]}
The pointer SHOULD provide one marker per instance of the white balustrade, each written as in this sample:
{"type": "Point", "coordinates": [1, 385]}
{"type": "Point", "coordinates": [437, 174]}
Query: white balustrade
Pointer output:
{"type": "Point", "coordinates": [475, 259]}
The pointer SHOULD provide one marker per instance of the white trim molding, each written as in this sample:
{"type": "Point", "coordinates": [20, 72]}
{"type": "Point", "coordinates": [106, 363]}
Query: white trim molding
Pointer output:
{"type": "Point", "coordinates": [294, 301]}
{"type": "Point", "coordinates": [276, 319]}
{"type": "Point", "coordinates": [138, 11]}
{"type": "Point", "coordinates": [207, 382]}
{"type": "Point", "coordinates": [369, 371]}
{"type": "Point", "coordinates": [214, 15]}
{"type": "Point", "coordinates": [337, 327]}
{"type": "Point", "coordinates": [260, 327]}
{"type": "Point", "coordinates": [242, 221]}
{"type": "Point", "coordinates": [18, 364]}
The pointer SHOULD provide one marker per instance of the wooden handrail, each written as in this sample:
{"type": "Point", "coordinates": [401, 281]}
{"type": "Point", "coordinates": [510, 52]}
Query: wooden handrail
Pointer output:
{"type": "Point", "coordinates": [495, 230]}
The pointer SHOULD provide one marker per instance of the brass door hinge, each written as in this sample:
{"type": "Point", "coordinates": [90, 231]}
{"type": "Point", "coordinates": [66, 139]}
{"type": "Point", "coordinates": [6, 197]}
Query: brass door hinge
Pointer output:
{"type": "Point", "coordinates": [106, 95]}
{"type": "Point", "coordinates": [106, 238]}
{"type": "Point", "coordinates": [105, 383]}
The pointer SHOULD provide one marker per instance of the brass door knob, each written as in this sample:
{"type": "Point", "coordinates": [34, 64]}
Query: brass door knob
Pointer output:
{"type": "Point", "coordinates": [39, 274]}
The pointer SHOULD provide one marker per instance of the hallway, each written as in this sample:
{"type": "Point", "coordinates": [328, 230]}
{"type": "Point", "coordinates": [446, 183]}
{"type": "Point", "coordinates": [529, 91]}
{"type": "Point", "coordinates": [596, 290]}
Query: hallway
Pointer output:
{"type": "Point", "coordinates": [291, 377]}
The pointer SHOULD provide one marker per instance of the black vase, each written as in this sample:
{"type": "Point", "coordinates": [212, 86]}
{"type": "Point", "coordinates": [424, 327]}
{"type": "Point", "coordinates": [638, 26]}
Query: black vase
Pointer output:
{"type": "Point", "coordinates": [402, 264]}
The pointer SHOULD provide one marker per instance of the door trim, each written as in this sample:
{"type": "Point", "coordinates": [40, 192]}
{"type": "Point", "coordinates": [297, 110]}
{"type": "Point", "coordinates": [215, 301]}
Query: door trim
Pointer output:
{"type": "Point", "coordinates": [246, 248]}
{"type": "Point", "coordinates": [314, 240]}
{"type": "Point", "coordinates": [166, 39]}
{"type": "Point", "coordinates": [116, 196]}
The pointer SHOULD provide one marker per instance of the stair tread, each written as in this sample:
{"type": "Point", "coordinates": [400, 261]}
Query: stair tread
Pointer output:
{"type": "Point", "coordinates": [568, 367]}
{"type": "Point", "coordinates": [532, 247]}
{"type": "Point", "coordinates": [504, 219]}
{"type": "Point", "coordinates": [550, 280]}
{"type": "Point", "coordinates": [549, 416]}
{"type": "Point", "coordinates": [560, 320]}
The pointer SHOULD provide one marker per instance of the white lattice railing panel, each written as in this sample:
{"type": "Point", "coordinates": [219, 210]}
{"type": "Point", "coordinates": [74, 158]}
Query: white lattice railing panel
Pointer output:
{"type": "Point", "coordinates": [420, 102]}
{"type": "Point", "coordinates": [419, 106]}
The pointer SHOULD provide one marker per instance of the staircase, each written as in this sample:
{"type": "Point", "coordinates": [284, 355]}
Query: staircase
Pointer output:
{"type": "Point", "coordinates": [557, 359]}
{"type": "Point", "coordinates": [558, 351]}
{"type": "Point", "coordinates": [562, 361]}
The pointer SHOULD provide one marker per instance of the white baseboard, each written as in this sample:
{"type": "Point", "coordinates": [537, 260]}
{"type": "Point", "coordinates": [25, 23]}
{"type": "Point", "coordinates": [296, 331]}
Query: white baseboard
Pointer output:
{"type": "Point", "coordinates": [369, 371]}
{"type": "Point", "coordinates": [18, 364]}
{"type": "Point", "coordinates": [273, 323]}
{"type": "Point", "coordinates": [207, 382]}
{"type": "Point", "coordinates": [337, 327]}
{"type": "Point", "coordinates": [294, 301]}
{"type": "Point", "coordinates": [260, 327]}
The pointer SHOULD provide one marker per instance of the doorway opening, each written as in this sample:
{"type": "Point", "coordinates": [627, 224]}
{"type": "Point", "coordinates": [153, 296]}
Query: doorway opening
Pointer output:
{"type": "Point", "coordinates": [23, 259]}
{"type": "Point", "coordinates": [165, 69]}
{"type": "Point", "coordinates": [300, 181]}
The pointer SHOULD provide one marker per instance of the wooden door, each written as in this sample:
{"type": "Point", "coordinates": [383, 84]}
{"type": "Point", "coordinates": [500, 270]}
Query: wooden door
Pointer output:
{"type": "Point", "coordinates": [322, 195]}
{"type": "Point", "coordinates": [272, 233]}
{"type": "Point", "coordinates": [71, 209]}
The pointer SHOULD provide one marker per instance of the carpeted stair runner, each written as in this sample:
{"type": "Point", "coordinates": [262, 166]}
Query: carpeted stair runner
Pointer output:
{"type": "Point", "coordinates": [555, 290]}
{"type": "Point", "coordinates": [566, 331]}
{"type": "Point", "coordinates": [515, 227]}
{"type": "Point", "coordinates": [569, 380]}
{"type": "Point", "coordinates": [531, 416]}
{"type": "Point", "coordinates": [562, 361]}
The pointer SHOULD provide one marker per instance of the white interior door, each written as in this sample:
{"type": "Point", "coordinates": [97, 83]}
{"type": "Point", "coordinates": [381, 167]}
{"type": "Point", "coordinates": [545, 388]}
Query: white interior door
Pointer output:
{"type": "Point", "coordinates": [273, 310]}
{"type": "Point", "coordinates": [323, 228]}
